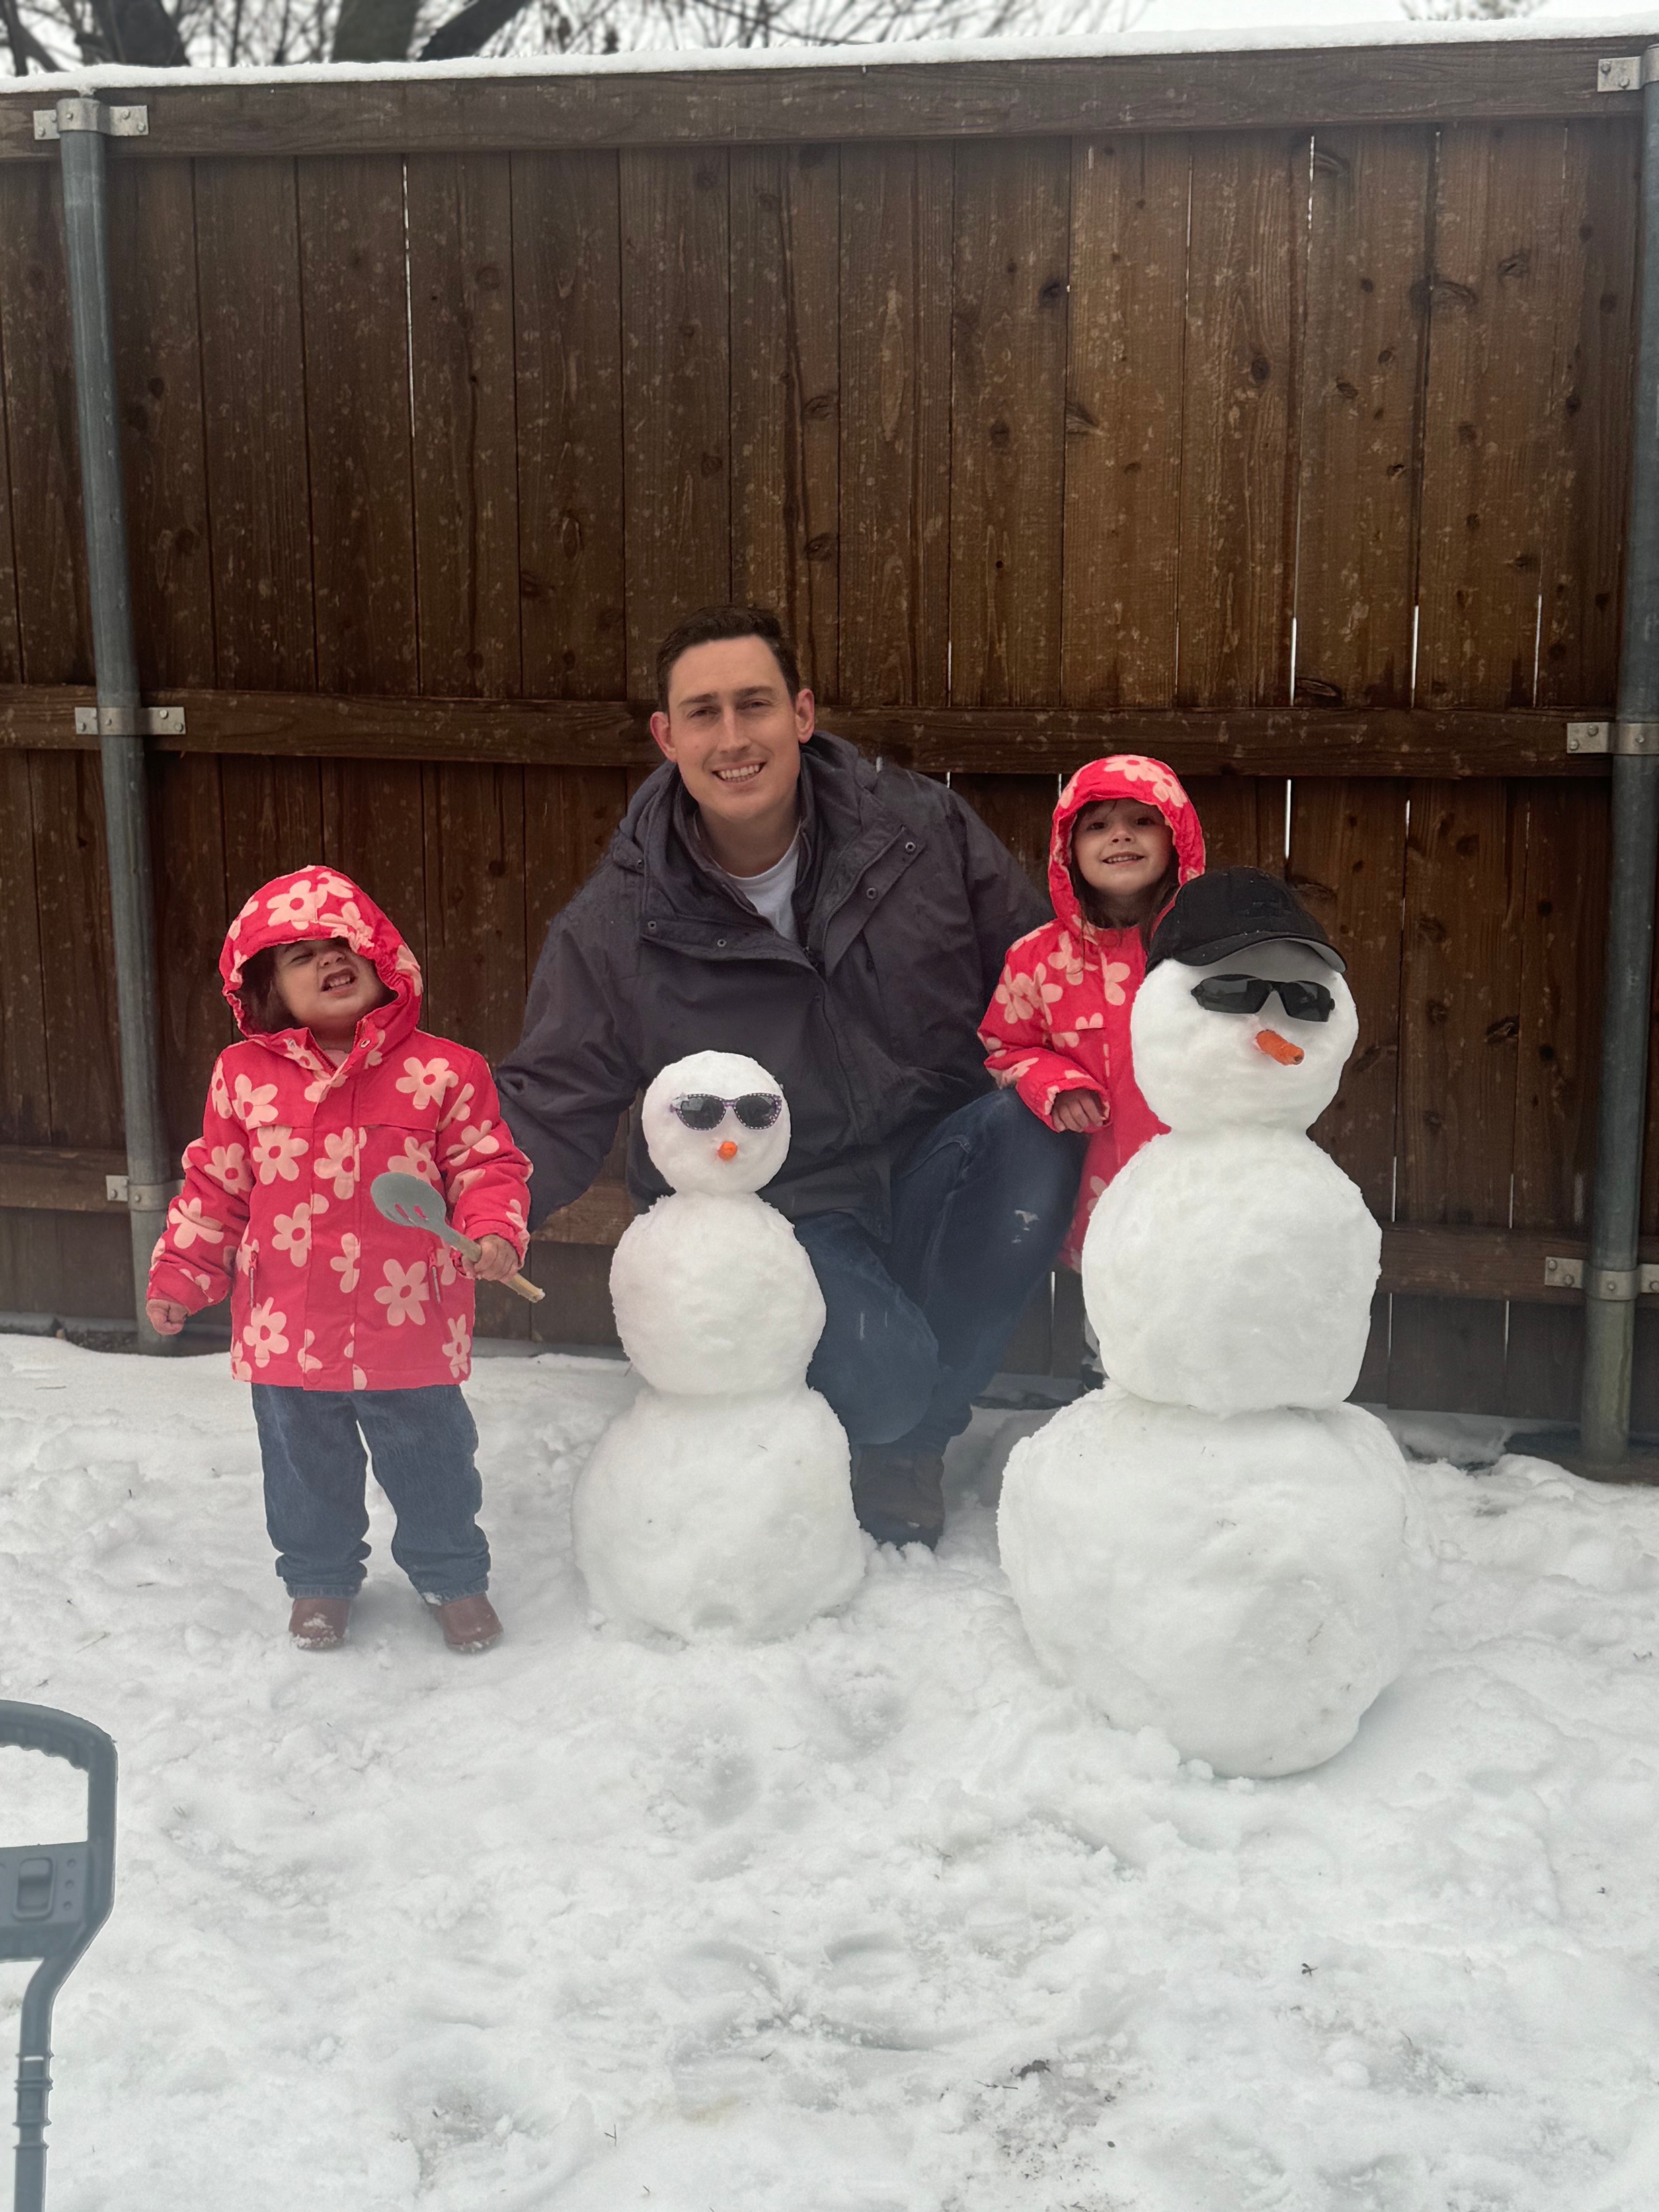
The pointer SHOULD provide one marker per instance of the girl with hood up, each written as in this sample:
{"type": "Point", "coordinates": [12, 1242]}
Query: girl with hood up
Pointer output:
{"type": "Point", "coordinates": [1125, 839]}
{"type": "Point", "coordinates": [351, 1329]}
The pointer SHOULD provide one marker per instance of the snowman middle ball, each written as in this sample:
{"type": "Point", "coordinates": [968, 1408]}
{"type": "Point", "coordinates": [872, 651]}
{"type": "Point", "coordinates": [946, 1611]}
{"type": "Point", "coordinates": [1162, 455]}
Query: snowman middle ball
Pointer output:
{"type": "Point", "coordinates": [714, 1295]}
{"type": "Point", "coordinates": [1231, 1266]}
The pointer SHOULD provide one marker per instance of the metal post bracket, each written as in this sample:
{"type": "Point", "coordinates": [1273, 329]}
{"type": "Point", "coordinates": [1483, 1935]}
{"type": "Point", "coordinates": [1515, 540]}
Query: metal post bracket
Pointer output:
{"type": "Point", "coordinates": [129, 722]}
{"type": "Point", "coordinates": [1629, 740]}
{"type": "Point", "coordinates": [1628, 72]}
{"type": "Point", "coordinates": [51, 122]}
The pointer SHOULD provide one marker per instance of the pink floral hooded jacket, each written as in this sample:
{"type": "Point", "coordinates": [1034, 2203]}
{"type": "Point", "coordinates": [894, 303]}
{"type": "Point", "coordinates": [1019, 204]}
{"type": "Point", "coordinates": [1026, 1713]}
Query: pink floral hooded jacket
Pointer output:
{"type": "Point", "coordinates": [1059, 1018]}
{"type": "Point", "coordinates": [326, 1295]}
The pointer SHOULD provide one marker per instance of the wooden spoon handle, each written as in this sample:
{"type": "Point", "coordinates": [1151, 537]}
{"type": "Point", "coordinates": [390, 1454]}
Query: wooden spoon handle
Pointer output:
{"type": "Point", "coordinates": [469, 1249]}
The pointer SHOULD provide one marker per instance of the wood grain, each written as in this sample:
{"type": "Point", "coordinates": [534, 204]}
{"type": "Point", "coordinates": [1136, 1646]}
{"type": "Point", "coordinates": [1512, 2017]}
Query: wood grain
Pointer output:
{"type": "Point", "coordinates": [25, 1084]}
{"type": "Point", "coordinates": [187, 838]}
{"type": "Point", "coordinates": [676, 395]}
{"type": "Point", "coordinates": [880, 96]}
{"type": "Point", "coordinates": [895, 422]}
{"type": "Point", "coordinates": [253, 383]}
{"type": "Point", "coordinates": [1364, 364]}
{"type": "Point", "coordinates": [567, 283]}
{"type": "Point", "coordinates": [1460, 996]}
{"type": "Point", "coordinates": [11, 650]}
{"type": "Point", "coordinates": [1008, 423]}
{"type": "Point", "coordinates": [357, 422]}
{"type": "Point", "coordinates": [1347, 865]}
{"type": "Point", "coordinates": [53, 625]}
{"type": "Point", "coordinates": [77, 960]}
{"type": "Point", "coordinates": [464, 420]}
{"type": "Point", "coordinates": [475, 906]}
{"type": "Point", "coordinates": [158, 366]}
{"type": "Point", "coordinates": [1129, 213]}
{"type": "Point", "coordinates": [1020, 810]}
{"type": "Point", "coordinates": [1245, 275]}
{"type": "Point", "coordinates": [786, 397]}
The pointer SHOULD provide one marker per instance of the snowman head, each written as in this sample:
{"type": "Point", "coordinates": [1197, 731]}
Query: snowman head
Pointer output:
{"type": "Point", "coordinates": [1256, 1039]}
{"type": "Point", "coordinates": [715, 1122]}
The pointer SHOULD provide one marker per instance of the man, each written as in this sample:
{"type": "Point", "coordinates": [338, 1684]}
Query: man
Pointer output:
{"type": "Point", "coordinates": [770, 892]}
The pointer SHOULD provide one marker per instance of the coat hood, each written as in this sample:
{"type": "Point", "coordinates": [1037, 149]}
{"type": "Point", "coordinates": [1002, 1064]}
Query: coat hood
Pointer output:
{"type": "Point", "coordinates": [320, 901]}
{"type": "Point", "coordinates": [1120, 775]}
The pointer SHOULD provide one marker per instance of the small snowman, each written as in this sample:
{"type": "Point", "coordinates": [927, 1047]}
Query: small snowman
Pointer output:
{"type": "Point", "coordinates": [1215, 1545]}
{"type": "Point", "coordinates": [721, 1502]}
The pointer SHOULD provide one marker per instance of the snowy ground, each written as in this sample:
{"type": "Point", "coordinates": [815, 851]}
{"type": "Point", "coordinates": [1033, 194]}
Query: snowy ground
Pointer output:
{"type": "Point", "coordinates": [873, 1921]}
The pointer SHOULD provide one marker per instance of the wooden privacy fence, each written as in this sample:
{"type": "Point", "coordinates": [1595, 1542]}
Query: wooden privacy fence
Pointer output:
{"type": "Point", "coordinates": [1058, 406]}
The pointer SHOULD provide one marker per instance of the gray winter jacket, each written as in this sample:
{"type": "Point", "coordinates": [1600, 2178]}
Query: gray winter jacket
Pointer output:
{"type": "Point", "coordinates": [906, 904]}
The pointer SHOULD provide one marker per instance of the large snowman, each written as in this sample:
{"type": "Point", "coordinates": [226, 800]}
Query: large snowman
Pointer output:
{"type": "Point", "coordinates": [721, 1502]}
{"type": "Point", "coordinates": [1214, 1545]}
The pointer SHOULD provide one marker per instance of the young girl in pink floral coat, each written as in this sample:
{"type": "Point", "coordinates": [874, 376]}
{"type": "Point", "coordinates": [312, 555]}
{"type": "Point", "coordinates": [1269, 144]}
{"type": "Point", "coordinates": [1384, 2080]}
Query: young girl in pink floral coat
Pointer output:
{"type": "Point", "coordinates": [349, 1328]}
{"type": "Point", "coordinates": [1125, 839]}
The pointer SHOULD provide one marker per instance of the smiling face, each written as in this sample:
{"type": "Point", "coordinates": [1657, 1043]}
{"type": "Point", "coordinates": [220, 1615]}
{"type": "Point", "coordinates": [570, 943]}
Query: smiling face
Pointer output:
{"type": "Point", "coordinates": [327, 988]}
{"type": "Point", "coordinates": [693, 1150]}
{"type": "Point", "coordinates": [1200, 1069]}
{"type": "Point", "coordinates": [735, 734]}
{"type": "Point", "coordinates": [1121, 849]}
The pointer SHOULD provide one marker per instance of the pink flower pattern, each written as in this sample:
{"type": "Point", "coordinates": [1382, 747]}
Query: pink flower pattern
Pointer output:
{"type": "Point", "coordinates": [281, 1171]}
{"type": "Point", "coordinates": [1058, 1018]}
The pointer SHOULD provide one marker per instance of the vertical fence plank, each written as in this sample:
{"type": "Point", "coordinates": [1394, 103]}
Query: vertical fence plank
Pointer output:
{"type": "Point", "coordinates": [676, 392]}
{"type": "Point", "coordinates": [273, 820]}
{"type": "Point", "coordinates": [1490, 468]}
{"type": "Point", "coordinates": [25, 1085]}
{"type": "Point", "coordinates": [1245, 275]}
{"type": "Point", "coordinates": [54, 626]}
{"type": "Point", "coordinates": [1242, 818]}
{"type": "Point", "coordinates": [11, 647]}
{"type": "Point", "coordinates": [1561, 919]}
{"type": "Point", "coordinates": [1459, 991]}
{"type": "Point", "coordinates": [475, 906]}
{"type": "Point", "coordinates": [896, 228]}
{"type": "Point", "coordinates": [786, 374]}
{"type": "Point", "coordinates": [253, 381]}
{"type": "Point", "coordinates": [158, 366]}
{"type": "Point", "coordinates": [1020, 809]}
{"type": "Point", "coordinates": [1008, 421]}
{"type": "Point", "coordinates": [77, 957]}
{"type": "Point", "coordinates": [467, 528]}
{"type": "Point", "coordinates": [1347, 865]}
{"type": "Point", "coordinates": [1589, 419]}
{"type": "Point", "coordinates": [187, 841]}
{"type": "Point", "coordinates": [1361, 416]}
{"type": "Point", "coordinates": [1122, 501]}
{"type": "Point", "coordinates": [357, 423]}
{"type": "Point", "coordinates": [567, 283]}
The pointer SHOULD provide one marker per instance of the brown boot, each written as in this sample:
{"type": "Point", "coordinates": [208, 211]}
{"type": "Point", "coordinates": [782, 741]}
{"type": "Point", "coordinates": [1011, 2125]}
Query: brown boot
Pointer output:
{"type": "Point", "coordinates": [899, 1496]}
{"type": "Point", "coordinates": [319, 1623]}
{"type": "Point", "coordinates": [469, 1623]}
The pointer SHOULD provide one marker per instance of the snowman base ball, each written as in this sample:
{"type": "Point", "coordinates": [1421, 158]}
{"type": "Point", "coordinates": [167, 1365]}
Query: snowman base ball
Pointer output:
{"type": "Point", "coordinates": [1245, 1585]}
{"type": "Point", "coordinates": [720, 1516]}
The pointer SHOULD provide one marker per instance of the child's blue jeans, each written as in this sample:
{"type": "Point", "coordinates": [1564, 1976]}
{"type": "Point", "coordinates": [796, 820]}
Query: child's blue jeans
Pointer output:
{"type": "Point", "coordinates": [422, 1442]}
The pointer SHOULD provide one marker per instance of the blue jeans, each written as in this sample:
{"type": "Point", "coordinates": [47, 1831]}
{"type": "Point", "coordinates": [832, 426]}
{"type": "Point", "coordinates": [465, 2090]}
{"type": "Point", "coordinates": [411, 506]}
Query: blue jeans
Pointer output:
{"type": "Point", "coordinates": [916, 1327]}
{"type": "Point", "coordinates": [312, 1442]}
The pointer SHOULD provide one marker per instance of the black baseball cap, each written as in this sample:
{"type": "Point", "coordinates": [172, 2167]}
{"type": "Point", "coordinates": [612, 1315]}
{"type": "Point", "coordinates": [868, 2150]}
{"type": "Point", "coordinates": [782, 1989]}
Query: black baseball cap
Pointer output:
{"type": "Point", "coordinates": [1219, 914]}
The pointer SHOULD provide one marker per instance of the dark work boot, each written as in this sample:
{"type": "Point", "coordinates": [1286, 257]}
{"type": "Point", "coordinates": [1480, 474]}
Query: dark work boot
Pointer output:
{"type": "Point", "coordinates": [899, 1495]}
{"type": "Point", "coordinates": [319, 1623]}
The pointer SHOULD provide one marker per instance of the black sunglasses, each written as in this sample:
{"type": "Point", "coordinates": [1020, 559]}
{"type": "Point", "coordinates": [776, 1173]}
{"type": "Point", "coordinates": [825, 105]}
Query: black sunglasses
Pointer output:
{"type": "Point", "coordinates": [1248, 994]}
{"type": "Point", "coordinates": [702, 1109]}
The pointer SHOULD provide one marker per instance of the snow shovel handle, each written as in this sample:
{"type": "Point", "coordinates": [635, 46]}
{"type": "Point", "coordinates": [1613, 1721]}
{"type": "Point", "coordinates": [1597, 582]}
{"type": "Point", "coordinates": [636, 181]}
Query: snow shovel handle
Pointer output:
{"type": "Point", "coordinates": [470, 1250]}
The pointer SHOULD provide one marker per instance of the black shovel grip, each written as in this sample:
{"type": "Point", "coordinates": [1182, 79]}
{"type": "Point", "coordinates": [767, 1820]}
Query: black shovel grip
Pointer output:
{"type": "Point", "coordinates": [62, 1735]}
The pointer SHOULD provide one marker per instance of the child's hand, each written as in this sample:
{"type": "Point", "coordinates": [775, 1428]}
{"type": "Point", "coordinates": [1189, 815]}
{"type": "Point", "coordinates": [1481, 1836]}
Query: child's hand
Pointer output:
{"type": "Point", "coordinates": [1079, 1111]}
{"type": "Point", "coordinates": [497, 1261]}
{"type": "Point", "coordinates": [165, 1315]}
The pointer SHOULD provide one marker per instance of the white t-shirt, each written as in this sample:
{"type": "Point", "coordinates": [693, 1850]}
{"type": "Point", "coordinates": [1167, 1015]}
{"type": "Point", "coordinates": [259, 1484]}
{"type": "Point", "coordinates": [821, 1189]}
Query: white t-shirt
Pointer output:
{"type": "Point", "coordinates": [772, 893]}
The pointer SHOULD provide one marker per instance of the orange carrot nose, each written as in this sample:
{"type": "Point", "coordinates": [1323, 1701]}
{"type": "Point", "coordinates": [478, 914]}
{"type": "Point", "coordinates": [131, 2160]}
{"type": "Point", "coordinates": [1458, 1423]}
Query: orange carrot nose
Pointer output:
{"type": "Point", "coordinates": [728, 1151]}
{"type": "Point", "coordinates": [1279, 1048]}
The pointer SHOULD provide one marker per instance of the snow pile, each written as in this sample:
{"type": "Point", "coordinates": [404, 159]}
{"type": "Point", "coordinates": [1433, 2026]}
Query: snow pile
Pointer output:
{"type": "Point", "coordinates": [721, 1502]}
{"type": "Point", "coordinates": [878, 1919]}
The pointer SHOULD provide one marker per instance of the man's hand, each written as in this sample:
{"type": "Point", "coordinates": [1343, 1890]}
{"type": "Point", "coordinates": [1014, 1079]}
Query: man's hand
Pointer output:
{"type": "Point", "coordinates": [165, 1315]}
{"type": "Point", "coordinates": [497, 1261]}
{"type": "Point", "coordinates": [1079, 1111]}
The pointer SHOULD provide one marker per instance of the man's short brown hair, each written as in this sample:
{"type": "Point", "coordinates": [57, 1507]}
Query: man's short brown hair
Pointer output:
{"type": "Point", "coordinates": [709, 625]}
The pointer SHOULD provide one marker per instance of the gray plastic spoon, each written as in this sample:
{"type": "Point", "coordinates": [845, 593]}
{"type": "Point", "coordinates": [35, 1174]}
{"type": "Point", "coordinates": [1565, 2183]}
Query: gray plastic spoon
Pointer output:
{"type": "Point", "coordinates": [413, 1204]}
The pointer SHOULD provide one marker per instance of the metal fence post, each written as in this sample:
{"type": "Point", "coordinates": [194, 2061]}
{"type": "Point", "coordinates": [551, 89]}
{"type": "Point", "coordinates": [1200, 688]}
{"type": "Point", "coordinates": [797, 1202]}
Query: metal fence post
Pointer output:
{"type": "Point", "coordinates": [81, 127]}
{"type": "Point", "coordinates": [1611, 1281]}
